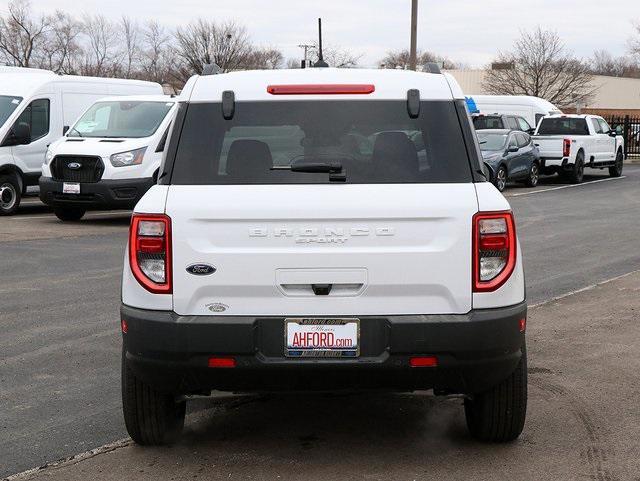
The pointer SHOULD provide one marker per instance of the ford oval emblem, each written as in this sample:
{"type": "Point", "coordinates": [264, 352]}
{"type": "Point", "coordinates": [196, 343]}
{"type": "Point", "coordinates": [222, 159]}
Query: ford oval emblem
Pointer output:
{"type": "Point", "coordinates": [201, 269]}
{"type": "Point", "coordinates": [74, 165]}
{"type": "Point", "coordinates": [217, 307]}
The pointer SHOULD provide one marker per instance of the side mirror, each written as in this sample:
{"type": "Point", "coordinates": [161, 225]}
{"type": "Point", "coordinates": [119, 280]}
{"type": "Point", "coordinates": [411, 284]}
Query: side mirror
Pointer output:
{"type": "Point", "coordinates": [613, 133]}
{"type": "Point", "coordinates": [531, 131]}
{"type": "Point", "coordinates": [513, 148]}
{"type": "Point", "coordinates": [21, 134]}
{"type": "Point", "coordinates": [65, 129]}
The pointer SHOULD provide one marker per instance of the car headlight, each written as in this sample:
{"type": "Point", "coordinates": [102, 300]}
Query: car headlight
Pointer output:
{"type": "Point", "coordinates": [132, 157]}
{"type": "Point", "coordinates": [48, 156]}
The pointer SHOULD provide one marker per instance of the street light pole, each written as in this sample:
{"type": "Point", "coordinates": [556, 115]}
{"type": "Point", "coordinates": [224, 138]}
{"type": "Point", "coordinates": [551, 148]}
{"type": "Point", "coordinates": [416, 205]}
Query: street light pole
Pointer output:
{"type": "Point", "coordinates": [414, 35]}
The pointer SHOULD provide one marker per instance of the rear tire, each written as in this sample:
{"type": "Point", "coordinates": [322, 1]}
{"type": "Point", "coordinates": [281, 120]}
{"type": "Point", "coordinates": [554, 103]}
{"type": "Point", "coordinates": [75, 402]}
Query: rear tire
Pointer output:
{"type": "Point", "coordinates": [534, 175]}
{"type": "Point", "coordinates": [498, 415]}
{"type": "Point", "coordinates": [10, 194]}
{"type": "Point", "coordinates": [500, 180]}
{"type": "Point", "coordinates": [577, 173]}
{"type": "Point", "coordinates": [616, 170]}
{"type": "Point", "coordinates": [152, 418]}
{"type": "Point", "coordinates": [69, 214]}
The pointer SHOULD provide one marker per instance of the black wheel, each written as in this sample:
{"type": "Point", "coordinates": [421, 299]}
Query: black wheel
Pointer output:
{"type": "Point", "coordinates": [69, 213]}
{"type": "Point", "coordinates": [10, 194]}
{"type": "Point", "coordinates": [616, 170]}
{"type": "Point", "coordinates": [498, 414]}
{"type": "Point", "coordinates": [500, 180]}
{"type": "Point", "coordinates": [577, 173]}
{"type": "Point", "coordinates": [152, 418]}
{"type": "Point", "coordinates": [534, 175]}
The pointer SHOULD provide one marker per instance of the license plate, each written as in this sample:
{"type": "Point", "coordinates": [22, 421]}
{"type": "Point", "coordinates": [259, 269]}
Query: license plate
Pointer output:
{"type": "Point", "coordinates": [322, 337]}
{"type": "Point", "coordinates": [69, 188]}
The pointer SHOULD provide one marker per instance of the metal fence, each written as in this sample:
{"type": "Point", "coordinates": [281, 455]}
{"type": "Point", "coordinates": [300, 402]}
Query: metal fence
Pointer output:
{"type": "Point", "coordinates": [630, 131]}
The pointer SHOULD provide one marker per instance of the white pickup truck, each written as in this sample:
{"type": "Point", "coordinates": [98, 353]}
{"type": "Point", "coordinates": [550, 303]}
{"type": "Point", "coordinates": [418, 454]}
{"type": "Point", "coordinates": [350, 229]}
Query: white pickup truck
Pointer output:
{"type": "Point", "coordinates": [569, 143]}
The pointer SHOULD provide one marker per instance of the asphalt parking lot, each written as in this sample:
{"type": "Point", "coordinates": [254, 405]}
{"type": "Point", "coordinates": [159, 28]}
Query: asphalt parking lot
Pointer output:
{"type": "Point", "coordinates": [59, 370]}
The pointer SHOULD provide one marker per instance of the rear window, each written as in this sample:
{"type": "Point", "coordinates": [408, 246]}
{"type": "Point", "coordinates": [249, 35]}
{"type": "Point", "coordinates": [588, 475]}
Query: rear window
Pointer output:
{"type": "Point", "coordinates": [484, 122]}
{"type": "Point", "coordinates": [373, 142]}
{"type": "Point", "coordinates": [563, 126]}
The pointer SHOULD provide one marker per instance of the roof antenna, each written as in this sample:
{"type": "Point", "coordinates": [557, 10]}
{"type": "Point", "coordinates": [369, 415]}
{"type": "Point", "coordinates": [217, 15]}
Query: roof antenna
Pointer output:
{"type": "Point", "coordinates": [320, 62]}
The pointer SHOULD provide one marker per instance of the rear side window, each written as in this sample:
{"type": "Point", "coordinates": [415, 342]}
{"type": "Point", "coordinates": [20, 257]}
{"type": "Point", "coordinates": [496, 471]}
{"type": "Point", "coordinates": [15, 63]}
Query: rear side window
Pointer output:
{"type": "Point", "coordinates": [512, 124]}
{"type": "Point", "coordinates": [373, 142]}
{"type": "Point", "coordinates": [563, 126]}
{"type": "Point", "coordinates": [523, 124]}
{"type": "Point", "coordinates": [484, 122]}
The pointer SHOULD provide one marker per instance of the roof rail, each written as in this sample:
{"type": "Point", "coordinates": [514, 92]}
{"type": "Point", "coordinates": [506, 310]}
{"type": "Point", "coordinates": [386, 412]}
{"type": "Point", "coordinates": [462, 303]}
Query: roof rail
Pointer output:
{"type": "Point", "coordinates": [211, 69]}
{"type": "Point", "coordinates": [432, 67]}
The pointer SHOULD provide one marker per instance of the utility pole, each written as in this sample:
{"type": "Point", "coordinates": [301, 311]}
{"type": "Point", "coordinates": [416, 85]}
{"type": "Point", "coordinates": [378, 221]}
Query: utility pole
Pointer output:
{"type": "Point", "coordinates": [320, 62]}
{"type": "Point", "coordinates": [306, 47]}
{"type": "Point", "coordinates": [414, 35]}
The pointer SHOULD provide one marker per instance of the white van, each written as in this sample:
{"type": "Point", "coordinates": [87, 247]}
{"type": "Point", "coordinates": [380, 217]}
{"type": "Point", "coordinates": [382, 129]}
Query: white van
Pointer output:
{"type": "Point", "coordinates": [36, 108]}
{"type": "Point", "coordinates": [531, 108]}
{"type": "Point", "coordinates": [109, 158]}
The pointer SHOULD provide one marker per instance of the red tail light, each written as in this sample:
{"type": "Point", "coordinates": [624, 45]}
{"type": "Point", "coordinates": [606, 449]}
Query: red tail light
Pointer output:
{"type": "Point", "coordinates": [150, 251]}
{"type": "Point", "coordinates": [494, 250]}
{"type": "Point", "coordinates": [566, 148]}
{"type": "Point", "coordinates": [321, 89]}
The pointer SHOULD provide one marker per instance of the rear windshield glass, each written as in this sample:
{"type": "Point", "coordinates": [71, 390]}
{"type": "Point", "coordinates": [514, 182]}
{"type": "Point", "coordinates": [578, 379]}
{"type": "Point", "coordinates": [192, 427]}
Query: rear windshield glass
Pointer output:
{"type": "Point", "coordinates": [280, 142]}
{"type": "Point", "coordinates": [484, 122]}
{"type": "Point", "coordinates": [121, 119]}
{"type": "Point", "coordinates": [563, 126]}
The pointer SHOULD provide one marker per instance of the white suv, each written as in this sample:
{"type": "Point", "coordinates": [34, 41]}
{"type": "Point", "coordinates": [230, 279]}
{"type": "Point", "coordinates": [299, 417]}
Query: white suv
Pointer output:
{"type": "Point", "coordinates": [323, 229]}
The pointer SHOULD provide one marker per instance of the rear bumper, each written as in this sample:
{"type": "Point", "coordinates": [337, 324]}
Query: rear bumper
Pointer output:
{"type": "Point", "coordinates": [475, 351]}
{"type": "Point", "coordinates": [105, 194]}
{"type": "Point", "coordinates": [557, 163]}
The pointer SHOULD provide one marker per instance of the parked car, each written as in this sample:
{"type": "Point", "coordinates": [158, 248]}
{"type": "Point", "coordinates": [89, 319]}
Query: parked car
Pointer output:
{"type": "Point", "coordinates": [498, 121]}
{"type": "Point", "coordinates": [273, 256]}
{"type": "Point", "coordinates": [36, 108]}
{"type": "Point", "coordinates": [109, 158]}
{"type": "Point", "coordinates": [531, 108]}
{"type": "Point", "coordinates": [569, 143]}
{"type": "Point", "coordinates": [510, 156]}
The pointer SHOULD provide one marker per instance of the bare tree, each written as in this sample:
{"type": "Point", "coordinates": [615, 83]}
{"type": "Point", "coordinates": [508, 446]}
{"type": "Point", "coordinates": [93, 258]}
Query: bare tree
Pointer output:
{"type": "Point", "coordinates": [603, 63]}
{"type": "Point", "coordinates": [204, 42]}
{"type": "Point", "coordinates": [154, 56]}
{"type": "Point", "coordinates": [400, 59]}
{"type": "Point", "coordinates": [61, 51]}
{"type": "Point", "coordinates": [20, 34]}
{"type": "Point", "coordinates": [540, 66]}
{"type": "Point", "coordinates": [264, 58]}
{"type": "Point", "coordinates": [102, 54]}
{"type": "Point", "coordinates": [634, 42]}
{"type": "Point", "coordinates": [334, 56]}
{"type": "Point", "coordinates": [293, 63]}
{"type": "Point", "coordinates": [130, 32]}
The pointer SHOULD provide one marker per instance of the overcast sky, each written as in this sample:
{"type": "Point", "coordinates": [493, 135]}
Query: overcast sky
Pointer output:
{"type": "Point", "coordinates": [468, 31]}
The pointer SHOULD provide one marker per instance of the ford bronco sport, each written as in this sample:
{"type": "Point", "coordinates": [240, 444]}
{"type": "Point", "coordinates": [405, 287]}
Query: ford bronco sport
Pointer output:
{"type": "Point", "coordinates": [323, 229]}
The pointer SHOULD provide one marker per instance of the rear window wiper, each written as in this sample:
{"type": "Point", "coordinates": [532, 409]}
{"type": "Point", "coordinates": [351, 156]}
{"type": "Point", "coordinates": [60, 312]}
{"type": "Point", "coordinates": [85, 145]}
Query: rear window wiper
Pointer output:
{"type": "Point", "coordinates": [334, 169]}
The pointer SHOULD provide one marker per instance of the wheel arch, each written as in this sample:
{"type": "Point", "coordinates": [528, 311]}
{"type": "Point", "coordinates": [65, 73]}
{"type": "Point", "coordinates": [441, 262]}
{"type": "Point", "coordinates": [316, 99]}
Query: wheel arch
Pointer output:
{"type": "Point", "coordinates": [13, 169]}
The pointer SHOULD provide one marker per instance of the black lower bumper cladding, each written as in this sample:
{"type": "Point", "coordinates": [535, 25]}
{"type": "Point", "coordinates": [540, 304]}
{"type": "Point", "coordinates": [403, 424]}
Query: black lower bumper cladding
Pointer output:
{"type": "Point", "coordinates": [474, 352]}
{"type": "Point", "coordinates": [115, 194]}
